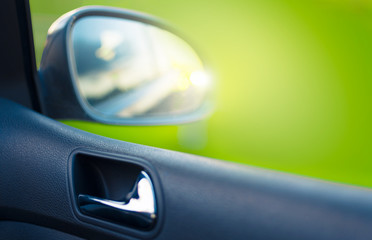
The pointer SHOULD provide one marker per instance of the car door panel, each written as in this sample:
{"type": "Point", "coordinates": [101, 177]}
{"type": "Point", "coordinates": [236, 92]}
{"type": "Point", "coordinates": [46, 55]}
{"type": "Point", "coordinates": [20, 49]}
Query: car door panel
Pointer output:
{"type": "Point", "coordinates": [201, 198]}
{"type": "Point", "coordinates": [20, 230]}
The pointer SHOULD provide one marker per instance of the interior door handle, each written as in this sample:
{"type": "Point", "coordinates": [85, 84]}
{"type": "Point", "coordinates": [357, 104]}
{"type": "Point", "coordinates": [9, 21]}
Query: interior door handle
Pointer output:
{"type": "Point", "coordinates": [139, 211]}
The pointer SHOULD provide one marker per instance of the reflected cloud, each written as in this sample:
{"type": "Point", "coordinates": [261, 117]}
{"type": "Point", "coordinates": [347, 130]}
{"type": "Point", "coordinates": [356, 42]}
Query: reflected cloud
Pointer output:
{"type": "Point", "coordinates": [109, 41]}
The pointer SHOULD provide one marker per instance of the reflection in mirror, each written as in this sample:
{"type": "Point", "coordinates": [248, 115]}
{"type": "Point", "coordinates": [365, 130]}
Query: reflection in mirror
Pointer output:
{"type": "Point", "coordinates": [129, 69]}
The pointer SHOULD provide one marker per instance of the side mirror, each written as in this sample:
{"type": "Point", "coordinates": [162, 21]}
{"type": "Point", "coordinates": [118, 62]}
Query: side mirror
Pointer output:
{"type": "Point", "coordinates": [121, 67]}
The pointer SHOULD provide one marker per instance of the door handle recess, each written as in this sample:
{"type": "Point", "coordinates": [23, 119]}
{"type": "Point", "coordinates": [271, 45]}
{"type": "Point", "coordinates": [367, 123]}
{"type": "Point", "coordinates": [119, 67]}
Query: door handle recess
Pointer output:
{"type": "Point", "coordinates": [139, 211]}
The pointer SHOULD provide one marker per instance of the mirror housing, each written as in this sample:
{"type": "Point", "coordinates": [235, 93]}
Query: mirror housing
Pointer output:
{"type": "Point", "coordinates": [64, 94]}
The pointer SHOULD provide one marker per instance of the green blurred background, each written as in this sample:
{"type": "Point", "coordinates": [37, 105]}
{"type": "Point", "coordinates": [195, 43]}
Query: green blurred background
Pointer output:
{"type": "Point", "coordinates": [294, 82]}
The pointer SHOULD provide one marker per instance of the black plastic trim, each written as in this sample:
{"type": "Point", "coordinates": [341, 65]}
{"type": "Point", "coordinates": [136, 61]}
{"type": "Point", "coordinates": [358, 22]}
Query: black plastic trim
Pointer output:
{"type": "Point", "coordinates": [28, 49]}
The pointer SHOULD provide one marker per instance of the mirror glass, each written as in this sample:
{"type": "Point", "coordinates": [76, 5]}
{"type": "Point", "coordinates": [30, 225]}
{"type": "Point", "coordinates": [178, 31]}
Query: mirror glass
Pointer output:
{"type": "Point", "coordinates": [129, 69]}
